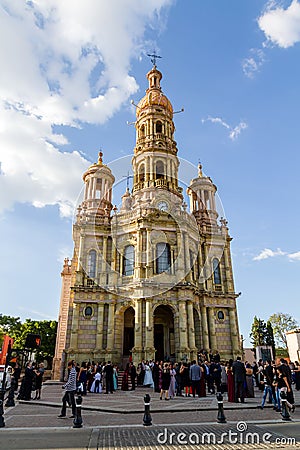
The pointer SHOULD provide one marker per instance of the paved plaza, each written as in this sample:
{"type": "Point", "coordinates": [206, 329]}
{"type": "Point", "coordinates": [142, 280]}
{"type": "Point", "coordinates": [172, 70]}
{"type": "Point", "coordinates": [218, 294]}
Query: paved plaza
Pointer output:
{"type": "Point", "coordinates": [115, 421]}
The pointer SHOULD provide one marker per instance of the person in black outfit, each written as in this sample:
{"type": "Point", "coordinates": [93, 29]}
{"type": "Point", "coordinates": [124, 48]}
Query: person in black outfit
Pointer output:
{"type": "Point", "coordinates": [132, 371]}
{"type": "Point", "coordinates": [239, 374]}
{"type": "Point", "coordinates": [155, 376]}
{"type": "Point", "coordinates": [109, 378]}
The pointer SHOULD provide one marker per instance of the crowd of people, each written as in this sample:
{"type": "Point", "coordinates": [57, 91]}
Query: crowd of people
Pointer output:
{"type": "Point", "coordinates": [206, 376]}
{"type": "Point", "coordinates": [169, 379]}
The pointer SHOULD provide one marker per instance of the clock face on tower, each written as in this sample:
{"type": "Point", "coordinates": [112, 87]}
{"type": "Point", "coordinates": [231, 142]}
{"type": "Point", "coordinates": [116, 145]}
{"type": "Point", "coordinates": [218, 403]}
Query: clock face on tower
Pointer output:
{"type": "Point", "coordinates": [162, 205]}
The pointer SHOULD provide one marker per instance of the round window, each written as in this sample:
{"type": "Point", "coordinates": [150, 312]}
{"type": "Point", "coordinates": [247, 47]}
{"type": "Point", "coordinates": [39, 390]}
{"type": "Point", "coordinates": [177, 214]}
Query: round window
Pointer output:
{"type": "Point", "coordinates": [221, 315]}
{"type": "Point", "coordinates": [88, 311]}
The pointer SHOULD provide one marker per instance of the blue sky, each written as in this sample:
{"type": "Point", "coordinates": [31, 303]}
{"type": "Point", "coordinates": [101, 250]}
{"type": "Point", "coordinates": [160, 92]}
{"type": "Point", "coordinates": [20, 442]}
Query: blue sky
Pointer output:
{"type": "Point", "coordinates": [68, 74]}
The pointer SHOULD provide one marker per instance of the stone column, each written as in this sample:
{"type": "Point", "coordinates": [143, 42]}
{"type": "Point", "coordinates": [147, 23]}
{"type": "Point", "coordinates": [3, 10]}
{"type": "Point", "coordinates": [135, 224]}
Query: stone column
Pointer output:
{"type": "Point", "coordinates": [138, 332]}
{"type": "Point", "coordinates": [110, 327]}
{"type": "Point", "coordinates": [191, 331]}
{"type": "Point", "coordinates": [184, 350]}
{"type": "Point", "coordinates": [79, 262]}
{"type": "Point", "coordinates": [99, 335]}
{"type": "Point", "coordinates": [149, 332]}
{"type": "Point", "coordinates": [212, 329]}
{"type": "Point", "coordinates": [137, 265]}
{"type": "Point", "coordinates": [74, 330]}
{"type": "Point", "coordinates": [234, 334]}
{"type": "Point", "coordinates": [206, 343]}
{"type": "Point", "coordinates": [149, 262]}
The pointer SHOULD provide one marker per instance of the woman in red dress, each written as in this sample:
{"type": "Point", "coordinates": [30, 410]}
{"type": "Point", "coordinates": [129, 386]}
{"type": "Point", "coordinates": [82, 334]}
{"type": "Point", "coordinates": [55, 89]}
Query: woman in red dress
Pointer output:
{"type": "Point", "coordinates": [230, 381]}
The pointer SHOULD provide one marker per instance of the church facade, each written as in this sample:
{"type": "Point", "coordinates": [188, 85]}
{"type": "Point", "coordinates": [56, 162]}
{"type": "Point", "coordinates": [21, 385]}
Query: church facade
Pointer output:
{"type": "Point", "coordinates": [152, 279]}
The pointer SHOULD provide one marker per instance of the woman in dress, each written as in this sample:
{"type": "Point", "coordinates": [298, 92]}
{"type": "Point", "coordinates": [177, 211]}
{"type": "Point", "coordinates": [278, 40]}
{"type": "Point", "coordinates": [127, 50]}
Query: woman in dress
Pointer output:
{"type": "Point", "coordinates": [166, 380]}
{"type": "Point", "coordinates": [39, 373]}
{"type": "Point", "coordinates": [230, 381]}
{"type": "Point", "coordinates": [249, 381]}
{"type": "Point", "coordinates": [172, 388]}
{"type": "Point", "coordinates": [26, 385]}
{"type": "Point", "coordinates": [96, 385]}
{"type": "Point", "coordinates": [202, 388]}
{"type": "Point", "coordinates": [82, 377]}
{"type": "Point", "coordinates": [148, 380]}
{"type": "Point", "coordinates": [125, 386]}
{"type": "Point", "coordinates": [115, 377]}
{"type": "Point", "coordinates": [185, 378]}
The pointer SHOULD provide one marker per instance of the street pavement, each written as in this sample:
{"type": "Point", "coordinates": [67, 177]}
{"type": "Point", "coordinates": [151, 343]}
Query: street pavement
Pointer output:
{"type": "Point", "coordinates": [115, 421]}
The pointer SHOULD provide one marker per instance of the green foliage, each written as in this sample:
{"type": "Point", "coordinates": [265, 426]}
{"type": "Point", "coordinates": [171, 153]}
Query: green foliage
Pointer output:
{"type": "Point", "coordinates": [19, 331]}
{"type": "Point", "coordinates": [1, 336]}
{"type": "Point", "coordinates": [282, 323]}
{"type": "Point", "coordinates": [258, 332]}
{"type": "Point", "coordinates": [10, 325]}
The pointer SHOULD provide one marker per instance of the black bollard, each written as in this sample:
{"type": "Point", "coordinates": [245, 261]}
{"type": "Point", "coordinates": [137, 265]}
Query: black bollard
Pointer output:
{"type": "Point", "coordinates": [11, 394]}
{"type": "Point", "coordinates": [147, 416]}
{"type": "Point", "coordinates": [220, 417]}
{"type": "Point", "coordinates": [77, 422]}
{"type": "Point", "coordinates": [285, 413]}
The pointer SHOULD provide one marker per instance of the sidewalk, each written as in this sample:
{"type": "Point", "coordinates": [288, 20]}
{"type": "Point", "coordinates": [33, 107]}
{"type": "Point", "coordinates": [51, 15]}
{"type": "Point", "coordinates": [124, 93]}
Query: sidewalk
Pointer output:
{"type": "Point", "coordinates": [127, 408]}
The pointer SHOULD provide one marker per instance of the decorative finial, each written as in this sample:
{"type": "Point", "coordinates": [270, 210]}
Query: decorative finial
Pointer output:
{"type": "Point", "coordinates": [153, 57]}
{"type": "Point", "coordinates": [200, 174]}
{"type": "Point", "coordinates": [100, 160]}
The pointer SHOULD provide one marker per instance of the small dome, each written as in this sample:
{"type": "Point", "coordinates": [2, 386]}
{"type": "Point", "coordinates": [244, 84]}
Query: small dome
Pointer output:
{"type": "Point", "coordinates": [154, 95]}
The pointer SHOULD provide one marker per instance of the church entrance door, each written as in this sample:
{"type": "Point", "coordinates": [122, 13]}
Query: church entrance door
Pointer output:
{"type": "Point", "coordinates": [164, 341]}
{"type": "Point", "coordinates": [128, 335]}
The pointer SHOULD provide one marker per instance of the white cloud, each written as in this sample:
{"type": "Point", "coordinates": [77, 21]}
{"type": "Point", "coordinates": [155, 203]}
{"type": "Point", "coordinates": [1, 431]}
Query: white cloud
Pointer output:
{"type": "Point", "coordinates": [234, 132]}
{"type": "Point", "coordinates": [294, 256]}
{"type": "Point", "coordinates": [62, 63]}
{"type": "Point", "coordinates": [253, 63]}
{"type": "Point", "coordinates": [281, 26]}
{"type": "Point", "coordinates": [268, 253]}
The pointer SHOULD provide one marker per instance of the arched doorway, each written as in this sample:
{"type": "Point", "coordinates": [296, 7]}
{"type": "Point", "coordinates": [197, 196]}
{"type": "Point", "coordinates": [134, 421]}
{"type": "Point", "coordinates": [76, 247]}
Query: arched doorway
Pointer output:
{"type": "Point", "coordinates": [164, 339]}
{"type": "Point", "coordinates": [128, 334]}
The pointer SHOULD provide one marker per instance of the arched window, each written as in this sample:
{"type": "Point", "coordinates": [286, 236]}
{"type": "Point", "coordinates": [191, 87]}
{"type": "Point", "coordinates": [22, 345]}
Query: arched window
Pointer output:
{"type": "Point", "coordinates": [92, 263]}
{"type": "Point", "coordinates": [163, 257]}
{"type": "Point", "coordinates": [160, 170]}
{"type": "Point", "coordinates": [217, 273]}
{"type": "Point", "coordinates": [158, 127]}
{"type": "Point", "coordinates": [142, 131]}
{"type": "Point", "coordinates": [128, 260]}
{"type": "Point", "coordinates": [142, 173]}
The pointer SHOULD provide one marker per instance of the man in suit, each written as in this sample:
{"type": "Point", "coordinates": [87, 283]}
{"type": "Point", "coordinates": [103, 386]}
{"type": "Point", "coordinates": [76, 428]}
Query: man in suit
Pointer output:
{"type": "Point", "coordinates": [109, 372]}
{"type": "Point", "coordinates": [195, 375]}
{"type": "Point", "coordinates": [239, 374]}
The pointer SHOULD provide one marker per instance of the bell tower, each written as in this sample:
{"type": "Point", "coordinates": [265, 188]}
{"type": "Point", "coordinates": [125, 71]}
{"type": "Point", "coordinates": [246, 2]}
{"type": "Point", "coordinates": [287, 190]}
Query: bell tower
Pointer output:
{"type": "Point", "coordinates": [155, 163]}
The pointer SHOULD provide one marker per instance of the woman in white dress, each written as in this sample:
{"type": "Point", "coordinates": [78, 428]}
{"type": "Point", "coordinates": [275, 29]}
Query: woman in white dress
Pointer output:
{"type": "Point", "coordinates": [96, 386]}
{"type": "Point", "coordinates": [172, 389]}
{"type": "Point", "coordinates": [148, 380]}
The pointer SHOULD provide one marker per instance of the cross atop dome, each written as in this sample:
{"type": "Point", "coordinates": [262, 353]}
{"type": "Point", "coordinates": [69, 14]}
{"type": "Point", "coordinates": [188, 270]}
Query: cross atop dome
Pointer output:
{"type": "Point", "coordinates": [153, 57]}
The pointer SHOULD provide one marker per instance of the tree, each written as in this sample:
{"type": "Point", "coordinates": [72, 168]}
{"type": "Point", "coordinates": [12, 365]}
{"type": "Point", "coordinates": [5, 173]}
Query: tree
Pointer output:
{"type": "Point", "coordinates": [282, 323]}
{"type": "Point", "coordinates": [10, 325]}
{"type": "Point", "coordinates": [46, 329]}
{"type": "Point", "coordinates": [258, 332]}
{"type": "Point", "coordinates": [1, 337]}
{"type": "Point", "coordinates": [270, 338]}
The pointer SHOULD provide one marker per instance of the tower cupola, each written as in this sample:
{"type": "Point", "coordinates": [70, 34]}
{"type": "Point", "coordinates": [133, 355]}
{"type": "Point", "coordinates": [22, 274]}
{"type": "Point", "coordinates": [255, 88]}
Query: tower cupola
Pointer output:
{"type": "Point", "coordinates": [98, 180]}
{"type": "Point", "coordinates": [202, 193]}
